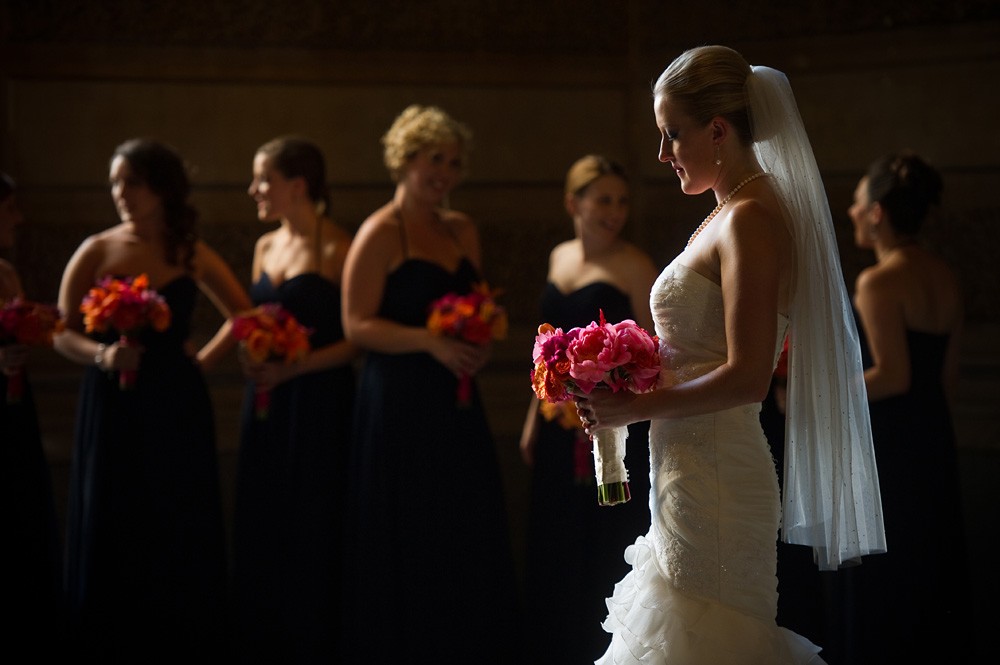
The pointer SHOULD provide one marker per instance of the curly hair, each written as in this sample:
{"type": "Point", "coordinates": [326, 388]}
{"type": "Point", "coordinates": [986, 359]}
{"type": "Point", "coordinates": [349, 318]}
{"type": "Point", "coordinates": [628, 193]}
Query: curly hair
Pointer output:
{"type": "Point", "coordinates": [419, 127]}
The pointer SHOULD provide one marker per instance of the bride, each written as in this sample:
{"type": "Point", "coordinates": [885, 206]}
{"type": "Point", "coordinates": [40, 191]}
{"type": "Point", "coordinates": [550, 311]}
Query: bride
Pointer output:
{"type": "Point", "coordinates": [763, 264]}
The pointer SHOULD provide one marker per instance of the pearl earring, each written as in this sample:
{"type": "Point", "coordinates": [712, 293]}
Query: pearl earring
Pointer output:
{"type": "Point", "coordinates": [718, 160]}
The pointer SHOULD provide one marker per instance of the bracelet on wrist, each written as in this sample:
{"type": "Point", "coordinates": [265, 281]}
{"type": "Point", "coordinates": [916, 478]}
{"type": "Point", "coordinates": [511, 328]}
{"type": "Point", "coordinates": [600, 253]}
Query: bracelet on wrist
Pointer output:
{"type": "Point", "coordinates": [99, 356]}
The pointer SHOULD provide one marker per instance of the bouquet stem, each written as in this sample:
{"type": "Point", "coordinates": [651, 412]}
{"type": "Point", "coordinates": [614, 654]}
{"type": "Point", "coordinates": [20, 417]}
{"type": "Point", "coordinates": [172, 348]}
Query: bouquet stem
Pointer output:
{"type": "Point", "coordinates": [464, 394]}
{"type": "Point", "coordinates": [261, 402]}
{"type": "Point", "coordinates": [609, 466]}
{"type": "Point", "coordinates": [611, 494]}
{"type": "Point", "coordinates": [15, 385]}
{"type": "Point", "coordinates": [126, 377]}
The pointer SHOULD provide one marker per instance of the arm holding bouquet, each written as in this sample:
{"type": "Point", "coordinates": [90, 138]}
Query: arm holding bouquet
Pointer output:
{"type": "Point", "coordinates": [749, 247]}
{"type": "Point", "coordinates": [289, 187]}
{"type": "Point", "coordinates": [620, 357]}
{"type": "Point", "coordinates": [217, 281]}
{"type": "Point", "coordinates": [80, 274]}
{"type": "Point", "coordinates": [374, 254]}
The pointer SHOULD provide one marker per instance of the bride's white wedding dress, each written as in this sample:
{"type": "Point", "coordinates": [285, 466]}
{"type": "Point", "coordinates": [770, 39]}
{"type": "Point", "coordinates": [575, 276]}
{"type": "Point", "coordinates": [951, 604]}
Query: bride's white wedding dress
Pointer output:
{"type": "Point", "coordinates": [702, 589]}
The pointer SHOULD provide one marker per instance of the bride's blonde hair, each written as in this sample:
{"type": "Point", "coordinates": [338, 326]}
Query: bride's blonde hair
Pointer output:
{"type": "Point", "coordinates": [709, 81]}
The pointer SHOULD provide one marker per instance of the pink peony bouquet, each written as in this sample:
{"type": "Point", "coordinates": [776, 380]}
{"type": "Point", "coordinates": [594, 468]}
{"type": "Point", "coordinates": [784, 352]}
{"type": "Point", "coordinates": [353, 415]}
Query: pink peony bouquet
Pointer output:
{"type": "Point", "coordinates": [620, 356]}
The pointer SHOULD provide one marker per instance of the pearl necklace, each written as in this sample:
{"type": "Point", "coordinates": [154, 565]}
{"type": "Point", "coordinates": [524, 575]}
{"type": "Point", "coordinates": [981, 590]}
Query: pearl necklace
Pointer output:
{"type": "Point", "coordinates": [723, 202]}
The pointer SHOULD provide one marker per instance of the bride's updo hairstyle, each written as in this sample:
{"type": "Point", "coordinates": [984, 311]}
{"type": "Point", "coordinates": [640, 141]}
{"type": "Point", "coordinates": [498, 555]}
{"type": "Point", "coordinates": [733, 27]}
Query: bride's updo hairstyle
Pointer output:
{"type": "Point", "coordinates": [419, 127]}
{"type": "Point", "coordinates": [709, 81]}
{"type": "Point", "coordinates": [906, 187]}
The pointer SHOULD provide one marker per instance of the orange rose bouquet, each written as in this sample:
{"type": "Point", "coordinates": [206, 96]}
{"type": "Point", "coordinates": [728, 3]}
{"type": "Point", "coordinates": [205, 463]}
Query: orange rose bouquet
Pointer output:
{"type": "Point", "coordinates": [127, 306]}
{"type": "Point", "coordinates": [620, 356]}
{"type": "Point", "coordinates": [26, 323]}
{"type": "Point", "coordinates": [269, 332]}
{"type": "Point", "coordinates": [474, 317]}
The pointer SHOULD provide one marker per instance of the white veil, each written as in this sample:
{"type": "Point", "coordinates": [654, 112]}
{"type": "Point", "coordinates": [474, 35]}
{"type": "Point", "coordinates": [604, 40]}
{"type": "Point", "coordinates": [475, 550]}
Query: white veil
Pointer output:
{"type": "Point", "coordinates": [831, 495]}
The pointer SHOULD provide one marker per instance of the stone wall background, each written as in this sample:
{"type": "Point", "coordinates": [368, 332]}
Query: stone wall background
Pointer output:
{"type": "Point", "coordinates": [540, 84]}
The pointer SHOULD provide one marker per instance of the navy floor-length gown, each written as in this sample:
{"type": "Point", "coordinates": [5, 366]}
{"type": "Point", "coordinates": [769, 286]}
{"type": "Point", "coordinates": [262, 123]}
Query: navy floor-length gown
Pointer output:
{"type": "Point", "coordinates": [574, 546]}
{"type": "Point", "coordinates": [291, 491]}
{"type": "Point", "coordinates": [146, 554]}
{"type": "Point", "coordinates": [32, 580]}
{"type": "Point", "coordinates": [915, 600]}
{"type": "Point", "coordinates": [432, 574]}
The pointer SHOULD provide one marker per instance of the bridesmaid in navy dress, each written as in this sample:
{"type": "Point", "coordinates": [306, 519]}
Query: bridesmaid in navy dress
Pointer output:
{"type": "Point", "coordinates": [574, 546]}
{"type": "Point", "coordinates": [33, 579]}
{"type": "Point", "coordinates": [291, 484]}
{"type": "Point", "coordinates": [433, 569]}
{"type": "Point", "coordinates": [146, 554]}
{"type": "Point", "coordinates": [909, 307]}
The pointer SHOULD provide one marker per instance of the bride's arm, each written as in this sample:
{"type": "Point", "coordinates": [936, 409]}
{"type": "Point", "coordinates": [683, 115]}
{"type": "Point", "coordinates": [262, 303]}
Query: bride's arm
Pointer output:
{"type": "Point", "coordinates": [749, 250]}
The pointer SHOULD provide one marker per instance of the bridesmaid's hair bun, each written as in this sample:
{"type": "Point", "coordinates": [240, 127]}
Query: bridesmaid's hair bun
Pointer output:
{"type": "Point", "coordinates": [907, 187]}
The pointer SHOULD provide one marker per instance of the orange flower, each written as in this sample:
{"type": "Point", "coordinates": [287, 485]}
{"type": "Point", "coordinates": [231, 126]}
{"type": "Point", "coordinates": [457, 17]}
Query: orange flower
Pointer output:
{"type": "Point", "coordinates": [474, 317]}
{"type": "Point", "coordinates": [564, 413]}
{"type": "Point", "coordinates": [270, 332]}
{"type": "Point", "coordinates": [29, 323]}
{"type": "Point", "coordinates": [259, 344]}
{"type": "Point", "coordinates": [125, 305]}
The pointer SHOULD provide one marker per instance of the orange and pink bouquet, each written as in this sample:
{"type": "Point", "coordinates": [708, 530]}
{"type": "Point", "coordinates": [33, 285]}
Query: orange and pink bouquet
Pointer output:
{"type": "Point", "coordinates": [269, 332]}
{"type": "Point", "coordinates": [474, 317]}
{"type": "Point", "coordinates": [620, 356]}
{"type": "Point", "coordinates": [26, 323]}
{"type": "Point", "coordinates": [126, 305]}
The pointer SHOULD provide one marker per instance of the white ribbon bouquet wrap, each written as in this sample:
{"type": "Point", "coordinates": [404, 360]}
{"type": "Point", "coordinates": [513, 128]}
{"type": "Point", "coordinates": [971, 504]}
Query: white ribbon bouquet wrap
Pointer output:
{"type": "Point", "coordinates": [620, 356]}
{"type": "Point", "coordinates": [609, 465]}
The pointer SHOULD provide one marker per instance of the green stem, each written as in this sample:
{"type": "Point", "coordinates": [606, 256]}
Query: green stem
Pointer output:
{"type": "Point", "coordinates": [611, 494]}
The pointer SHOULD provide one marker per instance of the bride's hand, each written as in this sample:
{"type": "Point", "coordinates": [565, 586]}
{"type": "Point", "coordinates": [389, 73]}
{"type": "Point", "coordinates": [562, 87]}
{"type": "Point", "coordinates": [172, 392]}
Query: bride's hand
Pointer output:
{"type": "Point", "coordinates": [603, 409]}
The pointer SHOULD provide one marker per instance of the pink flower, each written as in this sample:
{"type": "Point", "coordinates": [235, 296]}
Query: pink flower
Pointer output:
{"type": "Point", "coordinates": [622, 356]}
{"type": "Point", "coordinates": [642, 370]}
{"type": "Point", "coordinates": [594, 353]}
{"type": "Point", "coordinates": [551, 343]}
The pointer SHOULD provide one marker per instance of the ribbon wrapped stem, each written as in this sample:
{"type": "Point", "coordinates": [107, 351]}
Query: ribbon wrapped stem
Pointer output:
{"type": "Point", "coordinates": [609, 466]}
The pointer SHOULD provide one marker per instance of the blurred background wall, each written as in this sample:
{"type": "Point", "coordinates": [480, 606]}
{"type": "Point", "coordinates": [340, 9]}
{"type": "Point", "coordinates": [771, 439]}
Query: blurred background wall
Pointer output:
{"type": "Point", "coordinates": [540, 83]}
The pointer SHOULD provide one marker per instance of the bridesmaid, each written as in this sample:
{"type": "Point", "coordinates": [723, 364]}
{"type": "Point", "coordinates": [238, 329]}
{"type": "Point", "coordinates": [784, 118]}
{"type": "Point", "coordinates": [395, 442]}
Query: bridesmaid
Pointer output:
{"type": "Point", "coordinates": [433, 567]}
{"type": "Point", "coordinates": [596, 270]}
{"type": "Point", "coordinates": [290, 489]}
{"type": "Point", "coordinates": [32, 583]}
{"type": "Point", "coordinates": [146, 561]}
{"type": "Point", "coordinates": [910, 311]}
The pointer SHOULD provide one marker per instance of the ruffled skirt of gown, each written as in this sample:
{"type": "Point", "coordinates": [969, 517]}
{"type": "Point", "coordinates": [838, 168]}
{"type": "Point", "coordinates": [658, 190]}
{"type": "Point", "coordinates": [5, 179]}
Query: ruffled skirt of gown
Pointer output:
{"type": "Point", "coordinates": [702, 589]}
